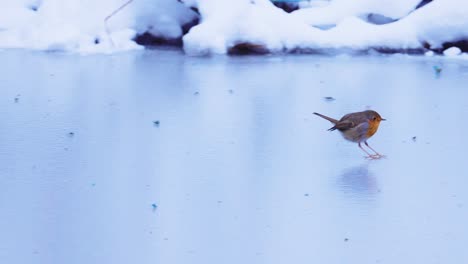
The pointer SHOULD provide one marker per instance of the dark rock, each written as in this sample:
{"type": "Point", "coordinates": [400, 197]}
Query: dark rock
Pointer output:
{"type": "Point", "coordinates": [461, 44]}
{"type": "Point", "coordinates": [286, 6]}
{"type": "Point", "coordinates": [245, 48]}
{"type": "Point", "coordinates": [146, 39]}
{"type": "Point", "coordinates": [401, 51]}
{"type": "Point", "coordinates": [187, 26]}
{"type": "Point", "coordinates": [423, 3]}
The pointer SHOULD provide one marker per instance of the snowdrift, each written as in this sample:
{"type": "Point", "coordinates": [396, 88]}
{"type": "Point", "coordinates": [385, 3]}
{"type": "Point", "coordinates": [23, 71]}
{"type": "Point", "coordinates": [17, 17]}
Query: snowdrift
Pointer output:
{"type": "Point", "coordinates": [226, 26]}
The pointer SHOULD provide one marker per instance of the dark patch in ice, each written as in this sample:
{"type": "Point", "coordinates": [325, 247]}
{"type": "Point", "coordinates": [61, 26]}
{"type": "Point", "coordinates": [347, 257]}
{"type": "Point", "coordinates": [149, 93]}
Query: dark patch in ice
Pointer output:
{"type": "Point", "coordinates": [156, 123]}
{"type": "Point", "coordinates": [346, 239]}
{"type": "Point", "coordinates": [71, 134]}
{"type": "Point", "coordinates": [414, 139]}
{"type": "Point", "coordinates": [97, 41]}
{"type": "Point", "coordinates": [154, 206]}
{"type": "Point", "coordinates": [196, 93]}
{"type": "Point", "coordinates": [329, 99]}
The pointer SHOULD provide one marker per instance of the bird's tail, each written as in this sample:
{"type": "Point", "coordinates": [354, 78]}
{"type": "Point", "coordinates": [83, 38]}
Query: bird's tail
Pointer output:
{"type": "Point", "coordinates": [334, 121]}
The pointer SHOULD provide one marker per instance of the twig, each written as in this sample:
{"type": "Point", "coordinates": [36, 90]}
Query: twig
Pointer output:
{"type": "Point", "coordinates": [111, 15]}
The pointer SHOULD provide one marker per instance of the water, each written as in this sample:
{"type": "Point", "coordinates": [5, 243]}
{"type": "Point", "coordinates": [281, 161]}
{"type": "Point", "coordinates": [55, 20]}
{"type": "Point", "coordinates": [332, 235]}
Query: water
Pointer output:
{"type": "Point", "coordinates": [237, 170]}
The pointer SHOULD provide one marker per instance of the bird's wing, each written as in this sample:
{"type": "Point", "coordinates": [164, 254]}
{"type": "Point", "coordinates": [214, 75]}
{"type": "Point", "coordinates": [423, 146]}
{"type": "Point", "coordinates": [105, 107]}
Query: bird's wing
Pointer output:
{"type": "Point", "coordinates": [343, 125]}
{"type": "Point", "coordinates": [351, 120]}
{"type": "Point", "coordinates": [359, 133]}
{"type": "Point", "coordinates": [362, 128]}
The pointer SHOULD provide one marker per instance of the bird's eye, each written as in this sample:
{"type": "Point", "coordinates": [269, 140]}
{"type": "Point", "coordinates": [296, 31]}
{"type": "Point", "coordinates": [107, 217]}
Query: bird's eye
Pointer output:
{"type": "Point", "coordinates": [375, 118]}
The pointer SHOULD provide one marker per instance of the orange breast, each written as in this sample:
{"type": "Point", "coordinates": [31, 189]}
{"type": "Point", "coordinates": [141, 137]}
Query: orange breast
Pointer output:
{"type": "Point", "coordinates": [373, 126]}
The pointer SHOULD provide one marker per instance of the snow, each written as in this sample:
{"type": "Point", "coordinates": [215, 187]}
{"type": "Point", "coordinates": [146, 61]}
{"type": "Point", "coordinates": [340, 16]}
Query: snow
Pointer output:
{"type": "Point", "coordinates": [435, 24]}
{"type": "Point", "coordinates": [78, 26]}
{"type": "Point", "coordinates": [453, 51]}
{"type": "Point", "coordinates": [263, 24]}
{"type": "Point", "coordinates": [162, 18]}
{"type": "Point", "coordinates": [70, 26]}
{"type": "Point", "coordinates": [429, 53]}
{"type": "Point", "coordinates": [337, 10]}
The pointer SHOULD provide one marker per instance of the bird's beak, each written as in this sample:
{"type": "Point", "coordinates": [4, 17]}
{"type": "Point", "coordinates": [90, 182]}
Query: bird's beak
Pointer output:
{"type": "Point", "coordinates": [383, 119]}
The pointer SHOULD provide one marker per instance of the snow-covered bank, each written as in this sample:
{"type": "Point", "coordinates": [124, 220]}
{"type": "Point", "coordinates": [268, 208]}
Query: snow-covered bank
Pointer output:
{"type": "Point", "coordinates": [222, 26]}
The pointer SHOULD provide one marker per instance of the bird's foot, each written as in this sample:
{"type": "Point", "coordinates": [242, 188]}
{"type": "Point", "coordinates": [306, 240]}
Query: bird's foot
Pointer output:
{"type": "Point", "coordinates": [375, 156]}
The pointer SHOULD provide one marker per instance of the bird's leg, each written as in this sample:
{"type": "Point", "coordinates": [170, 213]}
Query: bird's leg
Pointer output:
{"type": "Point", "coordinates": [377, 155]}
{"type": "Point", "coordinates": [369, 156]}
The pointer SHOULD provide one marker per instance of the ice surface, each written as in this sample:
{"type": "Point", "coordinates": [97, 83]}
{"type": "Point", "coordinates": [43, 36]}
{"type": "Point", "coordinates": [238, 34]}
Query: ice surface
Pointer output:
{"type": "Point", "coordinates": [239, 168]}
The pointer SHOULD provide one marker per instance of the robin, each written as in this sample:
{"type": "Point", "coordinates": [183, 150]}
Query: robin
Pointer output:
{"type": "Point", "coordinates": [358, 127]}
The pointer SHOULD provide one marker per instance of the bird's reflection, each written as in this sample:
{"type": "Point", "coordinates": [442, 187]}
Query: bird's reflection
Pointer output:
{"type": "Point", "coordinates": [358, 182]}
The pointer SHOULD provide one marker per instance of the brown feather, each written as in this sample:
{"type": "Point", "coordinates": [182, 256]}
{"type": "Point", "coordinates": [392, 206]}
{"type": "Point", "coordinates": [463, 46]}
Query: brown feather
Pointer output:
{"type": "Point", "coordinates": [334, 121]}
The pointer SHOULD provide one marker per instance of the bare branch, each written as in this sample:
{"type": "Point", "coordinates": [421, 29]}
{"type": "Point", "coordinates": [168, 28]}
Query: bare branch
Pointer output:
{"type": "Point", "coordinates": [111, 15]}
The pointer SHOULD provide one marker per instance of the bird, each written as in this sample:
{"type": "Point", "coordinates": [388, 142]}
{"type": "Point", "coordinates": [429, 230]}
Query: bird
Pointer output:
{"type": "Point", "coordinates": [358, 127]}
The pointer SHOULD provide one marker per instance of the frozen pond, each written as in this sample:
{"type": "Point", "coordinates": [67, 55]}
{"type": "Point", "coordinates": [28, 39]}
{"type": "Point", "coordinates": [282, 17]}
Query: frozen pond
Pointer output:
{"type": "Point", "coordinates": [157, 157]}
